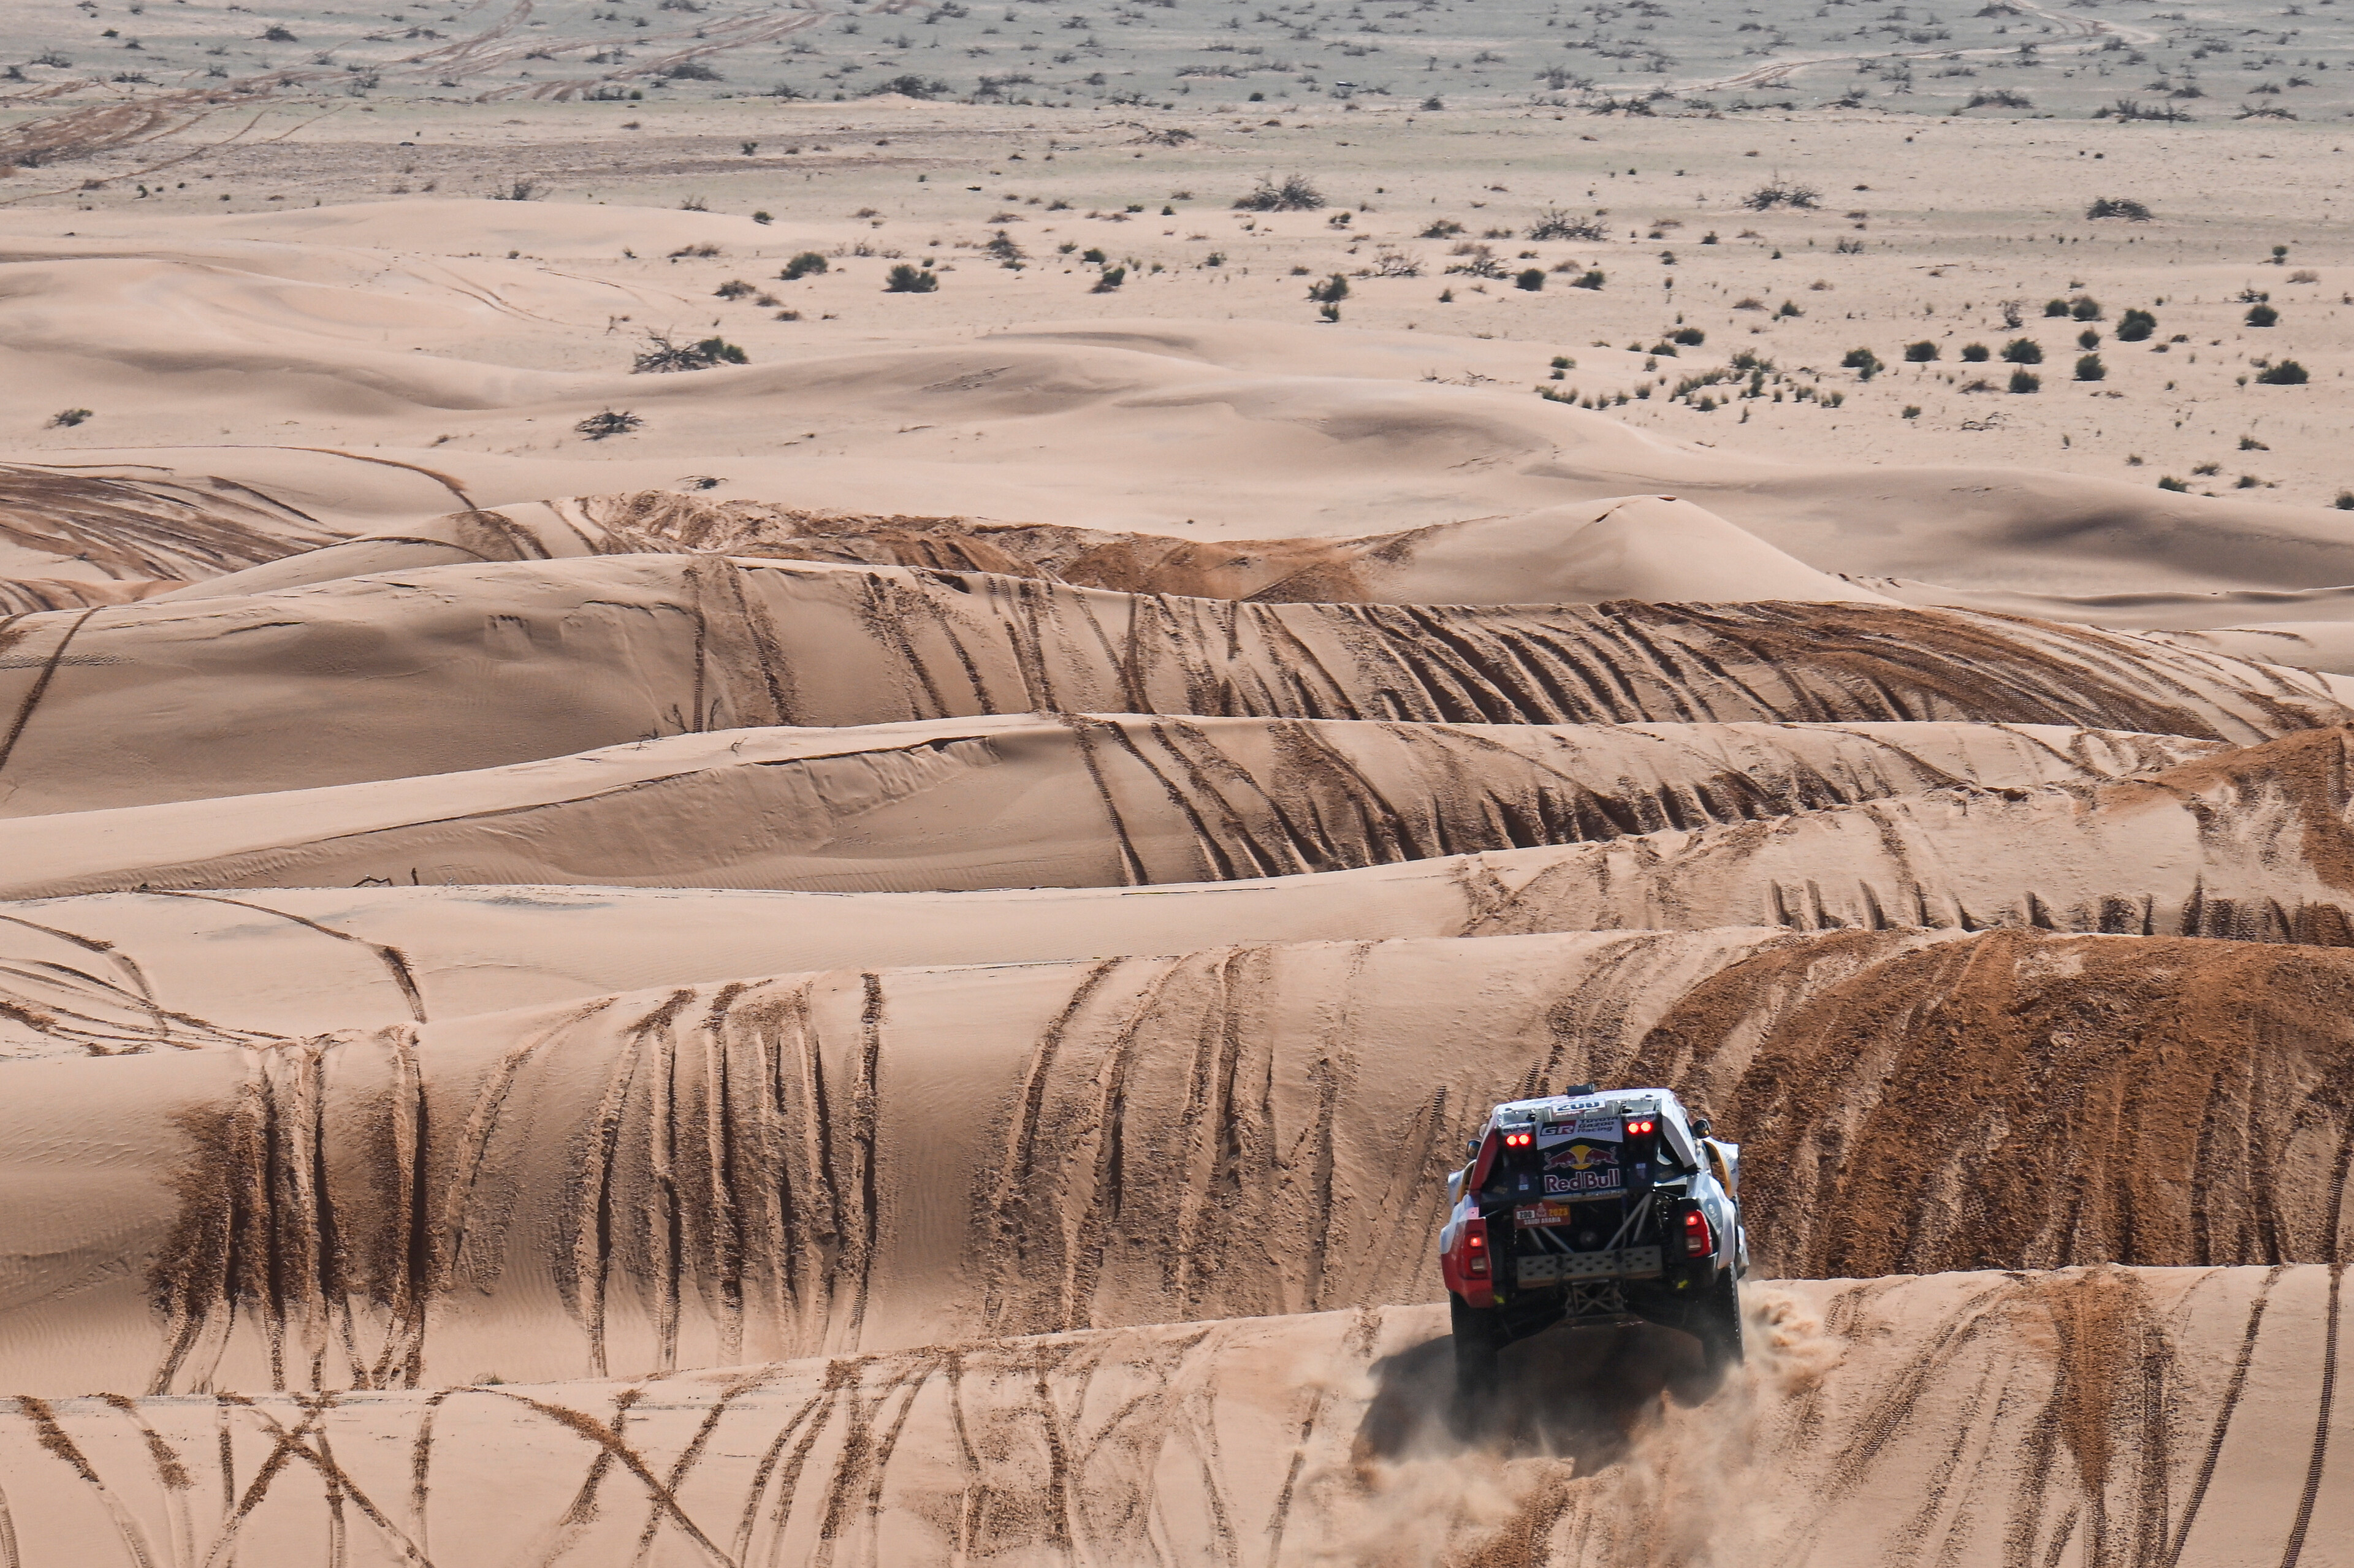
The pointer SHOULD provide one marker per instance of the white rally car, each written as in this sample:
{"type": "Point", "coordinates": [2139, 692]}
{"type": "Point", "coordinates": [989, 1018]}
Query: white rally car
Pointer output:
{"type": "Point", "coordinates": [1593, 1208]}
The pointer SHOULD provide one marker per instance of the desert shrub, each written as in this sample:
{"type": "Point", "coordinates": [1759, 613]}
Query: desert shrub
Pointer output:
{"type": "Point", "coordinates": [1530, 277]}
{"type": "Point", "coordinates": [1976, 352]}
{"type": "Point", "coordinates": [2055, 308]}
{"type": "Point", "coordinates": [1110, 278]}
{"type": "Point", "coordinates": [733, 289]}
{"type": "Point", "coordinates": [2344, 501]}
{"type": "Point", "coordinates": [1293, 192]}
{"type": "Point", "coordinates": [2263, 316]}
{"type": "Point", "coordinates": [2024, 380]}
{"type": "Point", "coordinates": [2135, 327]}
{"type": "Point", "coordinates": [911, 85]}
{"type": "Point", "coordinates": [1790, 310]}
{"type": "Point", "coordinates": [611, 422]}
{"type": "Point", "coordinates": [688, 70]}
{"type": "Point", "coordinates": [1691, 336]}
{"type": "Point", "coordinates": [2084, 308]}
{"type": "Point", "coordinates": [662, 355]}
{"type": "Point", "coordinates": [2022, 351]}
{"type": "Point", "coordinates": [2287, 372]}
{"type": "Point", "coordinates": [2172, 483]}
{"type": "Point", "coordinates": [1921, 353]}
{"type": "Point", "coordinates": [2089, 368]}
{"type": "Point", "coordinates": [2001, 98]}
{"type": "Point", "coordinates": [1553, 223]}
{"type": "Point", "coordinates": [1778, 192]}
{"type": "Point", "coordinates": [2088, 338]}
{"type": "Point", "coordinates": [908, 279]}
{"type": "Point", "coordinates": [1331, 290]}
{"type": "Point", "coordinates": [1591, 279]}
{"type": "Point", "coordinates": [1442, 229]}
{"type": "Point", "coordinates": [1863, 362]}
{"type": "Point", "coordinates": [1479, 261]}
{"type": "Point", "coordinates": [525, 189]}
{"type": "Point", "coordinates": [1395, 264]}
{"type": "Point", "coordinates": [1093, 257]}
{"type": "Point", "coordinates": [807, 264]}
{"type": "Point", "coordinates": [277, 34]}
{"type": "Point", "coordinates": [2104, 208]}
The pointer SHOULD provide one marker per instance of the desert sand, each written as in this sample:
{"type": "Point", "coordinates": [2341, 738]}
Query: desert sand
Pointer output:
{"type": "Point", "coordinates": [775, 781]}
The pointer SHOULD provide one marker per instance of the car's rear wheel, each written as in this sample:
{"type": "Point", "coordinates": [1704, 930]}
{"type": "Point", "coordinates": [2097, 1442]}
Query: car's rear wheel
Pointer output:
{"type": "Point", "coordinates": [1716, 1319]}
{"type": "Point", "coordinates": [1479, 1336]}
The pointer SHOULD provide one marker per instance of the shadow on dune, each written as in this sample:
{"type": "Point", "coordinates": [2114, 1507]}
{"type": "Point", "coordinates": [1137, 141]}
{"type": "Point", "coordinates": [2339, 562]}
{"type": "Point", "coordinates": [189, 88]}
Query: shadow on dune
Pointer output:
{"type": "Point", "coordinates": [1585, 1395]}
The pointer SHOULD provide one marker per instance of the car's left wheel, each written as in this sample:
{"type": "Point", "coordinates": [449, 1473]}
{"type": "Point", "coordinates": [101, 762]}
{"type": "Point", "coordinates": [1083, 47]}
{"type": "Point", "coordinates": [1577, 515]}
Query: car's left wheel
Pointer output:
{"type": "Point", "coordinates": [1479, 1336]}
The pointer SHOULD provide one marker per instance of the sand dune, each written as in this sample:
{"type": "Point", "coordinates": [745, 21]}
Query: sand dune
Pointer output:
{"type": "Point", "coordinates": [2030, 1399]}
{"type": "Point", "coordinates": [1019, 801]}
{"type": "Point", "coordinates": [453, 668]}
{"type": "Point", "coordinates": [879, 953]}
{"type": "Point", "coordinates": [700, 1176]}
{"type": "Point", "coordinates": [1646, 547]}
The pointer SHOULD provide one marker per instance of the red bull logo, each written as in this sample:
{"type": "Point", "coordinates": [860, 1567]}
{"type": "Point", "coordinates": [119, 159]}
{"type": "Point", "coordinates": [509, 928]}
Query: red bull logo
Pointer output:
{"type": "Point", "coordinates": [1581, 1156]}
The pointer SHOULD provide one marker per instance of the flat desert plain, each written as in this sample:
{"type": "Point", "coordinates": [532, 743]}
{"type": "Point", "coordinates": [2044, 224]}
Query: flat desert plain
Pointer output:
{"type": "Point", "coordinates": [776, 781]}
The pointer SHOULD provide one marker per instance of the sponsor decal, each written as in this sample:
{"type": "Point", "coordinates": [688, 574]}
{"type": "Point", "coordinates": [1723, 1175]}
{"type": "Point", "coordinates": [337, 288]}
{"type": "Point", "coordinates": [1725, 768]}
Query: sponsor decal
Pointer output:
{"type": "Point", "coordinates": [1605, 1129]}
{"type": "Point", "coordinates": [1541, 1214]}
{"type": "Point", "coordinates": [1606, 1179]}
{"type": "Point", "coordinates": [1581, 1156]}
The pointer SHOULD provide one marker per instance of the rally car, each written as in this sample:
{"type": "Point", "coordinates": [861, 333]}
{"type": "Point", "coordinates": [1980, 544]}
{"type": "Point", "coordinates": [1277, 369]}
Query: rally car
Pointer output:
{"type": "Point", "coordinates": [1593, 1208]}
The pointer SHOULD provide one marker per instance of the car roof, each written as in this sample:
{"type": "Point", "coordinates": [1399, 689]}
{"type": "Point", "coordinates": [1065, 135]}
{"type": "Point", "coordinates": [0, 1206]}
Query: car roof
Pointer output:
{"type": "Point", "coordinates": [1617, 1102]}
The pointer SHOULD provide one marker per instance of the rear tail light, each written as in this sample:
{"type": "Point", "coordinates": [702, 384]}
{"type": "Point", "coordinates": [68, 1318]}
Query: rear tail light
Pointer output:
{"type": "Point", "coordinates": [1518, 1139]}
{"type": "Point", "coordinates": [1636, 1129]}
{"type": "Point", "coordinates": [1475, 1248]}
{"type": "Point", "coordinates": [1698, 1241]}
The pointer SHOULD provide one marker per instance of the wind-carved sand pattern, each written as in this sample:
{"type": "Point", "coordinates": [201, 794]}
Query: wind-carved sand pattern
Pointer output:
{"type": "Point", "coordinates": [633, 1028]}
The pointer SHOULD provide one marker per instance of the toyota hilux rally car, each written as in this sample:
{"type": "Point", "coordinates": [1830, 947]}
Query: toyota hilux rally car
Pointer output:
{"type": "Point", "coordinates": [1595, 1210]}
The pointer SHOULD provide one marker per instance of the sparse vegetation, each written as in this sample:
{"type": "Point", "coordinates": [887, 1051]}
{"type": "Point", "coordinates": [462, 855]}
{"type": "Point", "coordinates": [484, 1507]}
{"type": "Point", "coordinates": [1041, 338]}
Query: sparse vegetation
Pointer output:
{"type": "Point", "coordinates": [907, 278]}
{"type": "Point", "coordinates": [1920, 352]}
{"type": "Point", "coordinates": [1553, 223]}
{"type": "Point", "coordinates": [2089, 368]}
{"type": "Point", "coordinates": [1863, 362]}
{"type": "Point", "coordinates": [1293, 192]}
{"type": "Point", "coordinates": [2103, 207]}
{"type": "Point", "coordinates": [733, 289]}
{"type": "Point", "coordinates": [1976, 352]}
{"type": "Point", "coordinates": [2172, 483]}
{"type": "Point", "coordinates": [2263, 316]}
{"type": "Point", "coordinates": [808, 264]}
{"type": "Point", "coordinates": [2022, 351]}
{"type": "Point", "coordinates": [1532, 279]}
{"type": "Point", "coordinates": [65, 419]}
{"type": "Point", "coordinates": [611, 422]}
{"type": "Point", "coordinates": [2024, 380]}
{"type": "Point", "coordinates": [1779, 192]}
{"type": "Point", "coordinates": [2136, 326]}
{"type": "Point", "coordinates": [1331, 291]}
{"type": "Point", "coordinates": [662, 355]}
{"type": "Point", "coordinates": [1109, 280]}
{"type": "Point", "coordinates": [2287, 372]}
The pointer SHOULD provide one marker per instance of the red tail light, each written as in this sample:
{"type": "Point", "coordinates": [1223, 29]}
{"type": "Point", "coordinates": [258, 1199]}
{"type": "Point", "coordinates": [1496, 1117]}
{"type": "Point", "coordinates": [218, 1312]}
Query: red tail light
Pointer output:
{"type": "Point", "coordinates": [1637, 1129]}
{"type": "Point", "coordinates": [1698, 1242]}
{"type": "Point", "coordinates": [1518, 1139]}
{"type": "Point", "coordinates": [1475, 1248]}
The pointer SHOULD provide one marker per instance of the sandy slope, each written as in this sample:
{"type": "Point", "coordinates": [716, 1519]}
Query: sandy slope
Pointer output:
{"type": "Point", "coordinates": [453, 668]}
{"type": "Point", "coordinates": [2102, 1415]}
{"type": "Point", "coordinates": [696, 1175]}
{"type": "Point", "coordinates": [1070, 800]}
